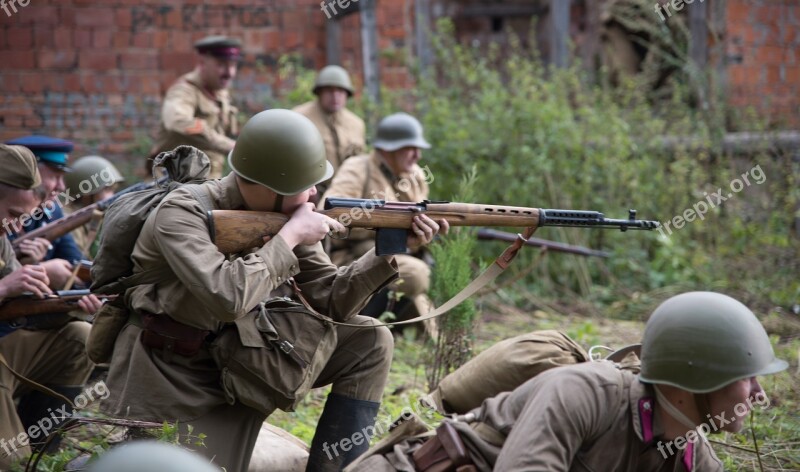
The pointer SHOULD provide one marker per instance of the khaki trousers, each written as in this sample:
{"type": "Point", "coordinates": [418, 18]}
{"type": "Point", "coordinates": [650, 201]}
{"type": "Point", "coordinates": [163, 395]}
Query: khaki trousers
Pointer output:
{"type": "Point", "coordinates": [358, 368]}
{"type": "Point", "coordinates": [54, 357]}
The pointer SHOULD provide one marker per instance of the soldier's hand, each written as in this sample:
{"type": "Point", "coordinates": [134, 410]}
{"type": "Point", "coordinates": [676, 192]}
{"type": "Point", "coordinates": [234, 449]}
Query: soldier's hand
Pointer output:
{"type": "Point", "coordinates": [59, 271]}
{"type": "Point", "coordinates": [423, 231]}
{"type": "Point", "coordinates": [90, 304]}
{"type": "Point", "coordinates": [306, 227]}
{"type": "Point", "coordinates": [29, 278]}
{"type": "Point", "coordinates": [32, 251]}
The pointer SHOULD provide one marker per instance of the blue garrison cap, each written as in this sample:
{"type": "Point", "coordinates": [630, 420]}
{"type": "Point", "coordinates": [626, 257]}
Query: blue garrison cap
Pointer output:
{"type": "Point", "coordinates": [50, 151]}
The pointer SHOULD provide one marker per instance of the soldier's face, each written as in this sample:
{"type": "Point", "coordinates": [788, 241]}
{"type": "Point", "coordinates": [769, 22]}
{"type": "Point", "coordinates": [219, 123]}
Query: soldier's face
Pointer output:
{"type": "Point", "coordinates": [52, 180]}
{"type": "Point", "coordinates": [735, 401]}
{"type": "Point", "coordinates": [293, 202]}
{"type": "Point", "coordinates": [332, 99]}
{"type": "Point", "coordinates": [17, 202]}
{"type": "Point", "coordinates": [403, 160]}
{"type": "Point", "coordinates": [217, 73]}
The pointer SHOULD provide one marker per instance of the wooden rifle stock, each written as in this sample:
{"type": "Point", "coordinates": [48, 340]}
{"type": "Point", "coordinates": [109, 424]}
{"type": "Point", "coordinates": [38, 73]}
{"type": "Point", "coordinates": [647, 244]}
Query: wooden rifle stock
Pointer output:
{"type": "Point", "coordinates": [487, 234]}
{"type": "Point", "coordinates": [235, 231]}
{"type": "Point", "coordinates": [62, 226]}
{"type": "Point", "coordinates": [60, 302]}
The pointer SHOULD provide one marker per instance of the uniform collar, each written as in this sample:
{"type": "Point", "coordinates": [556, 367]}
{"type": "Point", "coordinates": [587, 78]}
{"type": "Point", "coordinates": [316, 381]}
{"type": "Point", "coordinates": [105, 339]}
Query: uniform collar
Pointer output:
{"type": "Point", "coordinates": [646, 423]}
{"type": "Point", "coordinates": [193, 78]}
{"type": "Point", "coordinates": [231, 196]}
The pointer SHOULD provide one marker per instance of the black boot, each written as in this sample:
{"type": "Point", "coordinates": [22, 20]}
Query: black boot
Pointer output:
{"type": "Point", "coordinates": [377, 305]}
{"type": "Point", "coordinates": [45, 411]}
{"type": "Point", "coordinates": [344, 422]}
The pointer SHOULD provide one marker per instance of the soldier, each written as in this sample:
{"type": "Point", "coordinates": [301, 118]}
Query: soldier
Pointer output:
{"type": "Point", "coordinates": [342, 131]}
{"type": "Point", "coordinates": [700, 355]}
{"type": "Point", "coordinates": [101, 178]}
{"type": "Point", "coordinates": [197, 109]}
{"type": "Point", "coordinates": [163, 367]}
{"type": "Point", "coordinates": [56, 256]}
{"type": "Point", "coordinates": [390, 172]}
{"type": "Point", "coordinates": [52, 357]}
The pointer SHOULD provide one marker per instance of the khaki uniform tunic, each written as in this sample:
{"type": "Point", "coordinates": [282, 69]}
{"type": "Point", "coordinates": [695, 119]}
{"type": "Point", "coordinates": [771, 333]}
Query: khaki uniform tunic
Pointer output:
{"type": "Point", "coordinates": [367, 176]}
{"type": "Point", "coordinates": [53, 357]}
{"type": "Point", "coordinates": [585, 417]}
{"type": "Point", "coordinates": [343, 131]}
{"type": "Point", "coordinates": [206, 290]}
{"type": "Point", "coordinates": [192, 116]}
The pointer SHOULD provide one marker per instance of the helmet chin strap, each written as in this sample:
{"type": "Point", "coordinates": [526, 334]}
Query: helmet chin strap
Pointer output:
{"type": "Point", "coordinates": [278, 206]}
{"type": "Point", "coordinates": [673, 411]}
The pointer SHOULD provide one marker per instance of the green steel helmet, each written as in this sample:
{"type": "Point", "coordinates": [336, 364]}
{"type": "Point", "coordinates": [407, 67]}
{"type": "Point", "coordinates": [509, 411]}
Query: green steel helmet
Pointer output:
{"type": "Point", "coordinates": [281, 150]}
{"type": "Point", "coordinates": [399, 130]}
{"type": "Point", "coordinates": [333, 76]}
{"type": "Point", "coordinates": [91, 174]}
{"type": "Point", "coordinates": [703, 341]}
{"type": "Point", "coordinates": [151, 455]}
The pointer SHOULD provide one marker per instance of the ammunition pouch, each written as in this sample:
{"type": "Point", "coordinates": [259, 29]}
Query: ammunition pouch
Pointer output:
{"type": "Point", "coordinates": [270, 358]}
{"type": "Point", "coordinates": [444, 452]}
{"type": "Point", "coordinates": [107, 324]}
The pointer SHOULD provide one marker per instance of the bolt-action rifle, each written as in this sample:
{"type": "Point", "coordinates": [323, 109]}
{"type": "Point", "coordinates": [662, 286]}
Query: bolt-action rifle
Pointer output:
{"type": "Point", "coordinates": [235, 230]}
{"type": "Point", "coordinates": [60, 227]}
{"type": "Point", "coordinates": [18, 308]}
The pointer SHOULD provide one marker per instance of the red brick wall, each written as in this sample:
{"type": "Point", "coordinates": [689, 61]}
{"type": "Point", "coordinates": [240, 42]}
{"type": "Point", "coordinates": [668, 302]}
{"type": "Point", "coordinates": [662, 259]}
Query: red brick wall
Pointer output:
{"type": "Point", "coordinates": [764, 50]}
{"type": "Point", "coordinates": [94, 71]}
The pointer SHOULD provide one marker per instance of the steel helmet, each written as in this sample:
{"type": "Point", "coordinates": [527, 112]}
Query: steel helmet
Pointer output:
{"type": "Point", "coordinates": [95, 172]}
{"type": "Point", "coordinates": [281, 150]}
{"type": "Point", "coordinates": [333, 76]}
{"type": "Point", "coordinates": [151, 455]}
{"type": "Point", "coordinates": [398, 131]}
{"type": "Point", "coordinates": [703, 341]}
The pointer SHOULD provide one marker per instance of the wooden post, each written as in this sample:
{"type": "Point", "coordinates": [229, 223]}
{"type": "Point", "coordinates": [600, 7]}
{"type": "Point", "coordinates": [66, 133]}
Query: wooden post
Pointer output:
{"type": "Point", "coordinates": [369, 50]}
{"type": "Point", "coordinates": [559, 32]}
{"type": "Point", "coordinates": [333, 46]}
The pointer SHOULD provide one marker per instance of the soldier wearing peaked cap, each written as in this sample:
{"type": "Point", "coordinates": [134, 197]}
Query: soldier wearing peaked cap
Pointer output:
{"type": "Point", "coordinates": [54, 357]}
{"type": "Point", "coordinates": [197, 109]}
{"type": "Point", "coordinates": [342, 130]}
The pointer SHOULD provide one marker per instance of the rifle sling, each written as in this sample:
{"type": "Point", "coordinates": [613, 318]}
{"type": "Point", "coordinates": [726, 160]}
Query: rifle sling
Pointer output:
{"type": "Point", "coordinates": [498, 267]}
{"type": "Point", "coordinates": [35, 385]}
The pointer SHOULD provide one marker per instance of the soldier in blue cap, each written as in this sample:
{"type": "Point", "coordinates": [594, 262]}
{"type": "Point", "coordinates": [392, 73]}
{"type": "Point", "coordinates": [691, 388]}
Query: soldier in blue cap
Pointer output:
{"type": "Point", "coordinates": [197, 109]}
{"type": "Point", "coordinates": [52, 155]}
